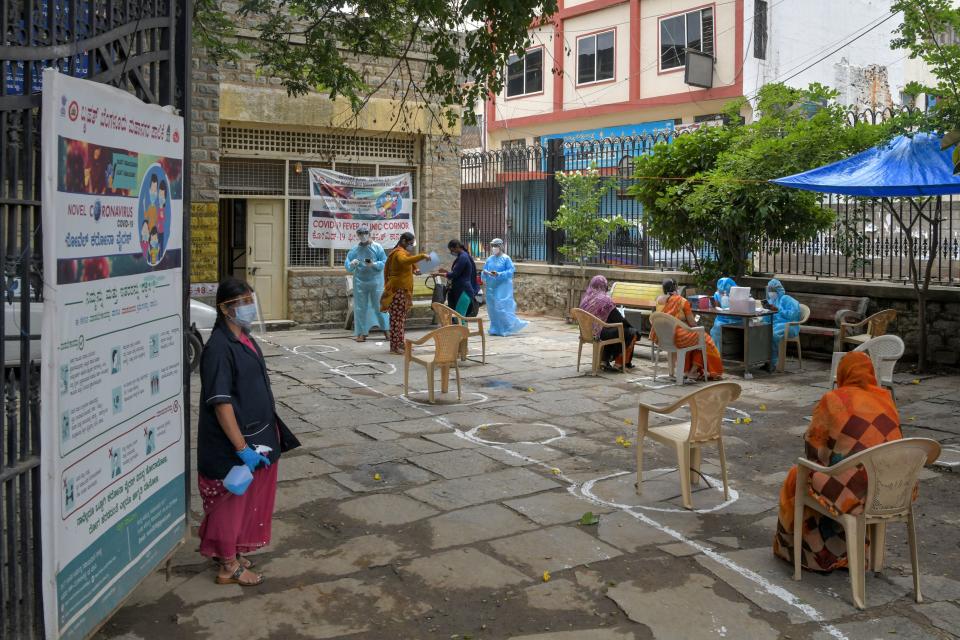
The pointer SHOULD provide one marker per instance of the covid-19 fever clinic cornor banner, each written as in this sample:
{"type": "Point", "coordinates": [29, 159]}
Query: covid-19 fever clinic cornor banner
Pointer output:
{"type": "Point", "coordinates": [112, 412]}
{"type": "Point", "coordinates": [340, 204]}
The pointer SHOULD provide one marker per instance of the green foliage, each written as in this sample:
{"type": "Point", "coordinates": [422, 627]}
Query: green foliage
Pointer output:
{"type": "Point", "coordinates": [712, 186]}
{"type": "Point", "coordinates": [925, 22]}
{"type": "Point", "coordinates": [584, 230]}
{"type": "Point", "coordinates": [315, 44]}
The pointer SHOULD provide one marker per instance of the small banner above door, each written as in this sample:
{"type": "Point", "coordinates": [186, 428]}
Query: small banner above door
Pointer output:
{"type": "Point", "coordinates": [340, 204]}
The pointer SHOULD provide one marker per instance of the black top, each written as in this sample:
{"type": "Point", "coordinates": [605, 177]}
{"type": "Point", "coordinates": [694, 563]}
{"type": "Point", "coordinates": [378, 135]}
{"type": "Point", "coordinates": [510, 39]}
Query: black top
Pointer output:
{"type": "Point", "coordinates": [231, 373]}
{"type": "Point", "coordinates": [463, 279]}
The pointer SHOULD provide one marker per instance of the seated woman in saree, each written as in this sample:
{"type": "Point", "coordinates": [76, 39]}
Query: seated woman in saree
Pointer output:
{"type": "Point", "coordinates": [855, 416]}
{"type": "Point", "coordinates": [672, 303]}
{"type": "Point", "coordinates": [596, 301]}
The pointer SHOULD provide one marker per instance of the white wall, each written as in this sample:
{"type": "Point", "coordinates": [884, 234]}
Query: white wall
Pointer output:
{"type": "Point", "coordinates": [866, 72]}
{"type": "Point", "coordinates": [618, 90]}
{"type": "Point", "coordinates": [519, 107]}
{"type": "Point", "coordinates": [654, 83]}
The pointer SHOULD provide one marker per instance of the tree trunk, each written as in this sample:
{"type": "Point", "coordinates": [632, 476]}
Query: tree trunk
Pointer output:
{"type": "Point", "coordinates": [922, 322]}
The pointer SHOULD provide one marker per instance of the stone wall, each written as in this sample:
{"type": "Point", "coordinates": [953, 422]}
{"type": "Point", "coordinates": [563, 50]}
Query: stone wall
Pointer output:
{"type": "Point", "coordinates": [205, 131]}
{"type": "Point", "coordinates": [545, 290]}
{"type": "Point", "coordinates": [439, 193]}
{"type": "Point", "coordinates": [317, 297]}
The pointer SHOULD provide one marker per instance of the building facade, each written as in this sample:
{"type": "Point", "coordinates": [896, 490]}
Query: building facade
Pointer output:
{"type": "Point", "coordinates": [605, 68]}
{"type": "Point", "coordinates": [252, 148]}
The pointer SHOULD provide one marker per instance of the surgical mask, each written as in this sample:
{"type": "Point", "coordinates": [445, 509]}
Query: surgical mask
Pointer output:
{"type": "Point", "coordinates": [453, 253]}
{"type": "Point", "coordinates": [772, 296]}
{"type": "Point", "coordinates": [364, 239]}
{"type": "Point", "coordinates": [411, 244]}
{"type": "Point", "coordinates": [245, 315]}
{"type": "Point", "coordinates": [495, 251]}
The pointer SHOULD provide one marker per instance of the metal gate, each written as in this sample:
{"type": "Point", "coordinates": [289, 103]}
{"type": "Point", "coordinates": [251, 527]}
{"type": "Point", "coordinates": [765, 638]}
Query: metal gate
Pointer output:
{"type": "Point", "coordinates": [142, 46]}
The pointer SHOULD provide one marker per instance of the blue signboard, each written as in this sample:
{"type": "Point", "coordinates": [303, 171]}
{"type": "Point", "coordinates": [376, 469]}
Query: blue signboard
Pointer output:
{"type": "Point", "coordinates": [585, 155]}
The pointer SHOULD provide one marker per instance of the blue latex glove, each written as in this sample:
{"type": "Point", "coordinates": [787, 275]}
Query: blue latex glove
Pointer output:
{"type": "Point", "coordinates": [252, 459]}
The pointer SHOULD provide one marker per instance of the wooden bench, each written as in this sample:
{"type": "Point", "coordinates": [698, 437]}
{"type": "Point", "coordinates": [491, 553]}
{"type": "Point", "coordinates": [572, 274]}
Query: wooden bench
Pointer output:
{"type": "Point", "coordinates": [831, 312]}
{"type": "Point", "coordinates": [422, 297]}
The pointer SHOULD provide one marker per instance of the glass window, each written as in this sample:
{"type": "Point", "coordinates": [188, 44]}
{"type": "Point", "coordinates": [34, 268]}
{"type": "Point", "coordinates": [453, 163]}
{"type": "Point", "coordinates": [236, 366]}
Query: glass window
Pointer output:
{"type": "Point", "coordinates": [533, 75]}
{"type": "Point", "coordinates": [525, 75]}
{"type": "Point", "coordinates": [692, 30]}
{"type": "Point", "coordinates": [595, 57]}
{"type": "Point", "coordinates": [760, 30]}
{"type": "Point", "coordinates": [586, 59]}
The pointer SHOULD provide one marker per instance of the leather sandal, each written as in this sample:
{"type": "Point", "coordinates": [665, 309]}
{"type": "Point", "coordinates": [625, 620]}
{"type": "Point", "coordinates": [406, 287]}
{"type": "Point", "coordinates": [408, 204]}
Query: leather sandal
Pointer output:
{"type": "Point", "coordinates": [235, 578]}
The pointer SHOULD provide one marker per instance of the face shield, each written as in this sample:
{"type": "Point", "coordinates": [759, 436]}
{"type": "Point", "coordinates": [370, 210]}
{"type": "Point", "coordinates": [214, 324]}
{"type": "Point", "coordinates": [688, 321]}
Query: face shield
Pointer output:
{"type": "Point", "coordinates": [244, 312]}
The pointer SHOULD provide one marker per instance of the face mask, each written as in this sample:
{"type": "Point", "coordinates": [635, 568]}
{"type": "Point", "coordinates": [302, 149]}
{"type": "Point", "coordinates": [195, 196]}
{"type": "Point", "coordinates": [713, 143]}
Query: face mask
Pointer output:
{"type": "Point", "coordinates": [453, 253]}
{"type": "Point", "coordinates": [495, 251]}
{"type": "Point", "coordinates": [772, 297]}
{"type": "Point", "coordinates": [364, 240]}
{"type": "Point", "coordinates": [245, 315]}
{"type": "Point", "coordinates": [411, 244]}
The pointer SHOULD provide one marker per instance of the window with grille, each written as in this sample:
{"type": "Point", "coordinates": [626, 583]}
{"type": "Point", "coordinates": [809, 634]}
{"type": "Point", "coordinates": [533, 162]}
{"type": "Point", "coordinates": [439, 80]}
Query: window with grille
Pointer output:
{"type": "Point", "coordinates": [595, 57]}
{"type": "Point", "coordinates": [525, 74]}
{"type": "Point", "coordinates": [245, 141]}
{"type": "Point", "coordinates": [760, 30]}
{"type": "Point", "coordinates": [691, 30]}
{"type": "Point", "coordinates": [242, 176]}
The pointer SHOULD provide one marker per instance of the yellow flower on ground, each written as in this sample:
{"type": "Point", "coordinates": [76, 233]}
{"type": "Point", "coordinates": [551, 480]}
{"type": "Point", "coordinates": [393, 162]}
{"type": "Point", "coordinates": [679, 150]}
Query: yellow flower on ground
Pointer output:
{"type": "Point", "coordinates": [763, 407]}
{"type": "Point", "coordinates": [626, 443]}
{"type": "Point", "coordinates": [377, 477]}
{"type": "Point", "coordinates": [747, 420]}
{"type": "Point", "coordinates": [915, 381]}
{"type": "Point", "coordinates": [627, 421]}
{"type": "Point", "coordinates": [619, 440]}
{"type": "Point", "coordinates": [555, 471]}
{"type": "Point", "coordinates": [546, 576]}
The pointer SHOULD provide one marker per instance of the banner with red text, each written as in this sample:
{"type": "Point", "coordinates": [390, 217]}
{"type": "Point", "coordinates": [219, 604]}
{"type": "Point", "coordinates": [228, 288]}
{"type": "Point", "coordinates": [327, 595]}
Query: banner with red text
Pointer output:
{"type": "Point", "coordinates": [112, 416]}
{"type": "Point", "coordinates": [340, 204]}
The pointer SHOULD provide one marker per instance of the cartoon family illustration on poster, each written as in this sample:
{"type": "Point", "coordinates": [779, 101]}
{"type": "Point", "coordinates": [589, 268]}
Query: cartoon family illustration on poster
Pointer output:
{"type": "Point", "coordinates": [152, 212]}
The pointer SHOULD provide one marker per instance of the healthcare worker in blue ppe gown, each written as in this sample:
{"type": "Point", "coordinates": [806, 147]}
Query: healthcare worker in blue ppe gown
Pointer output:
{"type": "Point", "coordinates": [497, 277]}
{"type": "Point", "coordinates": [722, 300]}
{"type": "Point", "coordinates": [365, 261]}
{"type": "Point", "coordinates": [788, 310]}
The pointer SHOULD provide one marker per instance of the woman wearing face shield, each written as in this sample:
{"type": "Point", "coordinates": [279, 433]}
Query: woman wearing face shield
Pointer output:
{"type": "Point", "coordinates": [787, 310]}
{"type": "Point", "coordinates": [497, 277]}
{"type": "Point", "coordinates": [366, 261]}
{"type": "Point", "coordinates": [397, 295]}
{"type": "Point", "coordinates": [721, 300]}
{"type": "Point", "coordinates": [237, 417]}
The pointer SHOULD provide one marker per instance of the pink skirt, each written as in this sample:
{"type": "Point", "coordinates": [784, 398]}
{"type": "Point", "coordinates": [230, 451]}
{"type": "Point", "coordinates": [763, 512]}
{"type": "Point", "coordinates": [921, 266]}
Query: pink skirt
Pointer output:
{"type": "Point", "coordinates": [235, 524]}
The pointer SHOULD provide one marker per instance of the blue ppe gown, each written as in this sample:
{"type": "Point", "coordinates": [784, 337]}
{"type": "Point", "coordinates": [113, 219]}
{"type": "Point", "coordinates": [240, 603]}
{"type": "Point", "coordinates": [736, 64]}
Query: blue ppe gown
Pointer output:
{"type": "Point", "coordinates": [788, 310]}
{"type": "Point", "coordinates": [716, 332]}
{"type": "Point", "coordinates": [367, 287]}
{"type": "Point", "coordinates": [501, 305]}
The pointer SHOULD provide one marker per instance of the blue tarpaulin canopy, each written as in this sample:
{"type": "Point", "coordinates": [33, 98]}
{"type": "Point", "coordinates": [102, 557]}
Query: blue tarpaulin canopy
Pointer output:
{"type": "Point", "coordinates": [904, 167]}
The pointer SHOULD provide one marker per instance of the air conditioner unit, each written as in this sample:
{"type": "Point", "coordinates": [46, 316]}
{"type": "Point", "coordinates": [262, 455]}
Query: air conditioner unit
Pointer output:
{"type": "Point", "coordinates": [698, 71]}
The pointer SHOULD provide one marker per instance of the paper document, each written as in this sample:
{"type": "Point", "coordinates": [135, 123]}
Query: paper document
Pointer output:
{"type": "Point", "coordinates": [431, 264]}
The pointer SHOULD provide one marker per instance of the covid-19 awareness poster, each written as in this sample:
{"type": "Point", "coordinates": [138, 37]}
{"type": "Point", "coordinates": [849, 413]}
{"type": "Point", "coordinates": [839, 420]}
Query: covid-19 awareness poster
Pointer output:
{"type": "Point", "coordinates": [340, 204]}
{"type": "Point", "coordinates": [112, 377]}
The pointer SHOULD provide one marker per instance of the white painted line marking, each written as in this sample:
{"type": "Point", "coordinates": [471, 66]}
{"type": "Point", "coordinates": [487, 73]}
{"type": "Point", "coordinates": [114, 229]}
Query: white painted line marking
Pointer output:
{"type": "Point", "coordinates": [585, 492]}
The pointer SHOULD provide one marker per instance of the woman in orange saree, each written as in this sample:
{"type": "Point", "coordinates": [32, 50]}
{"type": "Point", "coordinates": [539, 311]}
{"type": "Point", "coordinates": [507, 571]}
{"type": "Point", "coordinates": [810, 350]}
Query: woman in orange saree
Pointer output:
{"type": "Point", "coordinates": [855, 416]}
{"type": "Point", "coordinates": [672, 303]}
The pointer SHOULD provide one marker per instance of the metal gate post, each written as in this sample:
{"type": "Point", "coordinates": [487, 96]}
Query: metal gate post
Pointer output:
{"type": "Point", "coordinates": [552, 198]}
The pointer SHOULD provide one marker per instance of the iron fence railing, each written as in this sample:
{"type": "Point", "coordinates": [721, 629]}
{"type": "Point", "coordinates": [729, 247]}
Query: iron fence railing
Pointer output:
{"type": "Point", "coordinates": [506, 193]}
{"type": "Point", "coordinates": [141, 47]}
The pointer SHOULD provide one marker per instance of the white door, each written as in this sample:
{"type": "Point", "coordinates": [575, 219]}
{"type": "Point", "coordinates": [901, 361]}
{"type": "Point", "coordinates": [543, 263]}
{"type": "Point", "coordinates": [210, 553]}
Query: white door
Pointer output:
{"type": "Point", "coordinates": [265, 257]}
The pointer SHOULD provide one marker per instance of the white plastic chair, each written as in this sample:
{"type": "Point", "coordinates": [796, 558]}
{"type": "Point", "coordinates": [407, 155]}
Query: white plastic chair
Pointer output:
{"type": "Point", "coordinates": [884, 352]}
{"type": "Point", "coordinates": [663, 326]}
{"type": "Point", "coordinates": [892, 469]}
{"type": "Point", "coordinates": [707, 406]}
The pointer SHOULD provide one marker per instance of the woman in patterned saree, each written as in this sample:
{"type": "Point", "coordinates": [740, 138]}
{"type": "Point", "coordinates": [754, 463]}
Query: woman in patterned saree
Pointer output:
{"type": "Point", "coordinates": [855, 416]}
{"type": "Point", "coordinates": [672, 303]}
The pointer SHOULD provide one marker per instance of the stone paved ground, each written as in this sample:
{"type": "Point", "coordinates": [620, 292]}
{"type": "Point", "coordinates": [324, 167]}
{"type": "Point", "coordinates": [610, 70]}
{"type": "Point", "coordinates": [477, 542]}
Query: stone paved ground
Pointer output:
{"type": "Point", "coordinates": [477, 500]}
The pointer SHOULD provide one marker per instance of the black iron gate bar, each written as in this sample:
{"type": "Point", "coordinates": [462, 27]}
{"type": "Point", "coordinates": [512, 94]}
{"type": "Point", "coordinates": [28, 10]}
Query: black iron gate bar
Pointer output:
{"type": "Point", "coordinates": [142, 47]}
{"type": "Point", "coordinates": [510, 193]}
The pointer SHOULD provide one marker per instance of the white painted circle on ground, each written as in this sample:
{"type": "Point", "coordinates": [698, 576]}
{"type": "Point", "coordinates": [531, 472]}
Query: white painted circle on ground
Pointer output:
{"type": "Point", "coordinates": [586, 489]}
{"type": "Point", "coordinates": [420, 398]}
{"type": "Point", "coordinates": [315, 349]}
{"type": "Point", "coordinates": [472, 433]}
{"type": "Point", "coordinates": [376, 368]}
